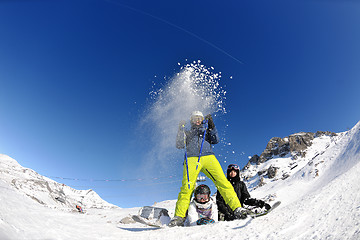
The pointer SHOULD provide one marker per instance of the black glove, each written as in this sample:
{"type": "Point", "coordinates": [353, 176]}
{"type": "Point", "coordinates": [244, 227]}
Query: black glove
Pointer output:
{"type": "Point", "coordinates": [260, 203]}
{"type": "Point", "coordinates": [204, 221]}
{"type": "Point", "coordinates": [211, 124]}
{"type": "Point", "coordinates": [267, 206]}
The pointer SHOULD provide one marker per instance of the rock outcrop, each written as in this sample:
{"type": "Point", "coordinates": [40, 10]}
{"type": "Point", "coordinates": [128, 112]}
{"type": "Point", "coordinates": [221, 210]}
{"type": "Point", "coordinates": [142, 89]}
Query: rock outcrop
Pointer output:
{"type": "Point", "coordinates": [295, 145]}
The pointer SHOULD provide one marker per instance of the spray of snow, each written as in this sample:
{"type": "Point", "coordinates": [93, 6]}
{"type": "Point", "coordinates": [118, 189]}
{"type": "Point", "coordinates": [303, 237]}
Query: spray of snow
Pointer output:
{"type": "Point", "coordinates": [194, 87]}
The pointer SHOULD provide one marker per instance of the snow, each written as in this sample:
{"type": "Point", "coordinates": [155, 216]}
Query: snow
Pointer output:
{"type": "Point", "coordinates": [320, 200]}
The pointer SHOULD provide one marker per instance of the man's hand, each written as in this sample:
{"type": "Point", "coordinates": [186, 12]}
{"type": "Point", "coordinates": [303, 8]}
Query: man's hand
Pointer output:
{"type": "Point", "coordinates": [211, 124]}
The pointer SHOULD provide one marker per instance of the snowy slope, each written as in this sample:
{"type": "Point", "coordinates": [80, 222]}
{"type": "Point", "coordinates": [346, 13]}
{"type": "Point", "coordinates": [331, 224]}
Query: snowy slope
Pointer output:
{"type": "Point", "coordinates": [46, 191]}
{"type": "Point", "coordinates": [289, 170]}
{"type": "Point", "coordinates": [320, 200]}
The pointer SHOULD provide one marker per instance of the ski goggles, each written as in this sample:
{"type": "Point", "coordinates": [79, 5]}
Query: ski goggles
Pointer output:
{"type": "Point", "coordinates": [200, 197]}
{"type": "Point", "coordinates": [233, 167]}
{"type": "Point", "coordinates": [196, 119]}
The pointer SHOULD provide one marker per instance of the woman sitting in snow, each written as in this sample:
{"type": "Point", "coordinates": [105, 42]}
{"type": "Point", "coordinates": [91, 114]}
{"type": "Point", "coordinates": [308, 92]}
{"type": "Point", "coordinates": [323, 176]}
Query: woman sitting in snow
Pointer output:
{"type": "Point", "coordinates": [225, 212]}
{"type": "Point", "coordinates": [202, 209]}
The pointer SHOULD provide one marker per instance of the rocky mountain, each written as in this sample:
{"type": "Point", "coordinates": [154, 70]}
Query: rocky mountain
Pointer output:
{"type": "Point", "coordinates": [46, 191]}
{"type": "Point", "coordinates": [282, 157]}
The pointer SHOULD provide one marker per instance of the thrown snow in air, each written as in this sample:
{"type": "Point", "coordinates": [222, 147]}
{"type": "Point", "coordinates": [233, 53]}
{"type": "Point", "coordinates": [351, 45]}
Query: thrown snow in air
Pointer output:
{"type": "Point", "coordinates": [194, 87]}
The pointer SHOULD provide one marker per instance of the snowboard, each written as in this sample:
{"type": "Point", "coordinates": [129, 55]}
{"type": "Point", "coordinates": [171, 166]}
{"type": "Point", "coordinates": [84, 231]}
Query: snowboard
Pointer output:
{"type": "Point", "coordinates": [144, 221]}
{"type": "Point", "coordinates": [275, 205]}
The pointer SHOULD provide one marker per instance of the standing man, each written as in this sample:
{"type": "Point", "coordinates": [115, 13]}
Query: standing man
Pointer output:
{"type": "Point", "coordinates": [199, 156]}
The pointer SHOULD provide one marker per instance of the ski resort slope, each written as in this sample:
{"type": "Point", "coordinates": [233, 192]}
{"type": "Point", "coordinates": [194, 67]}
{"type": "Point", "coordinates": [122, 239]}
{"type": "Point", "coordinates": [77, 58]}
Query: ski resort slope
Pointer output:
{"type": "Point", "coordinates": [326, 207]}
{"type": "Point", "coordinates": [323, 207]}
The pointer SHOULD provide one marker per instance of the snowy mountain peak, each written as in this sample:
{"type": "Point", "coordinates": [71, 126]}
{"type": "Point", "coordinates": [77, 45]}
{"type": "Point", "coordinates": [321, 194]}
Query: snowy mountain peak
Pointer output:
{"type": "Point", "coordinates": [284, 157]}
{"type": "Point", "coordinates": [295, 145]}
{"type": "Point", "coordinates": [46, 191]}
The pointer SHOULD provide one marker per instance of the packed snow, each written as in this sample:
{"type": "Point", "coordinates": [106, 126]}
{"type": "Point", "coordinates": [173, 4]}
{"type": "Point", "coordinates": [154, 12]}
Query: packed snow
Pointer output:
{"type": "Point", "coordinates": [320, 200]}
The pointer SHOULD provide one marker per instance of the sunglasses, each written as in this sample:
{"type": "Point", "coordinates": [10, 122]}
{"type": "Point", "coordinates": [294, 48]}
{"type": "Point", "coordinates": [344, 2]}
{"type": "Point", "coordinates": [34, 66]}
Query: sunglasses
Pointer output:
{"type": "Point", "coordinates": [233, 166]}
{"type": "Point", "coordinates": [200, 197]}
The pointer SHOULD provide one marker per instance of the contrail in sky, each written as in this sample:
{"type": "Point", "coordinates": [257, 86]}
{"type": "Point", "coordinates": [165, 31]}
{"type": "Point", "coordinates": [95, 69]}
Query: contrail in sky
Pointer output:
{"type": "Point", "coordinates": [178, 27]}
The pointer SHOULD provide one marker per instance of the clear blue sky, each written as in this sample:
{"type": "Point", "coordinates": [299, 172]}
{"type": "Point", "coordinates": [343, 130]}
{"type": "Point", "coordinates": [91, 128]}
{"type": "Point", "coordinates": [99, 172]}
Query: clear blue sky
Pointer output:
{"type": "Point", "coordinates": [75, 78]}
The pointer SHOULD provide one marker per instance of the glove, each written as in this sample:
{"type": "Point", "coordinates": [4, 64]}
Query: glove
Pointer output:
{"type": "Point", "coordinates": [240, 213]}
{"type": "Point", "coordinates": [260, 203]}
{"type": "Point", "coordinates": [267, 206]}
{"type": "Point", "coordinates": [211, 124]}
{"type": "Point", "coordinates": [182, 124]}
{"type": "Point", "coordinates": [204, 221]}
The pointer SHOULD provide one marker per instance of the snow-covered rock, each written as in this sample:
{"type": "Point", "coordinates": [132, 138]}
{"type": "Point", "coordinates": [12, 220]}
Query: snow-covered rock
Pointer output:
{"type": "Point", "coordinates": [295, 145]}
{"type": "Point", "coordinates": [284, 157]}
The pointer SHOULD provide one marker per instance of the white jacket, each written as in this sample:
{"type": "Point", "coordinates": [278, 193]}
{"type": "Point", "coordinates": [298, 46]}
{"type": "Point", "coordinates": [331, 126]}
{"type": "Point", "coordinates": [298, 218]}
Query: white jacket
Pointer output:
{"type": "Point", "coordinates": [198, 210]}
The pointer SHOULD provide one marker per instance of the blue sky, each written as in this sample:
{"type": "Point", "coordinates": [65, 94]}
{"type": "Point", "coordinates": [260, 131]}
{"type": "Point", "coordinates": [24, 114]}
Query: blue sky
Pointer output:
{"type": "Point", "coordinates": [75, 78]}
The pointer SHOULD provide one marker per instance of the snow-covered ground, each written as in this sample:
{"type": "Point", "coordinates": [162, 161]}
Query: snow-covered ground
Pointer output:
{"type": "Point", "coordinates": [320, 200]}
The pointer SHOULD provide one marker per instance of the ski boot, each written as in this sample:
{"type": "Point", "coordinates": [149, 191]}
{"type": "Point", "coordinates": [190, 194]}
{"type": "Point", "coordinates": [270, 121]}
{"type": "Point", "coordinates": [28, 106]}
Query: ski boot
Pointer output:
{"type": "Point", "coordinates": [240, 213]}
{"type": "Point", "coordinates": [176, 221]}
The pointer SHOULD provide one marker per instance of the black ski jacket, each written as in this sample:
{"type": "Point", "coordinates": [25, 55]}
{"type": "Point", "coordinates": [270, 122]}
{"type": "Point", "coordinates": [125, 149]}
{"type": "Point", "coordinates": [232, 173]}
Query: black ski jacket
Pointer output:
{"type": "Point", "coordinates": [243, 195]}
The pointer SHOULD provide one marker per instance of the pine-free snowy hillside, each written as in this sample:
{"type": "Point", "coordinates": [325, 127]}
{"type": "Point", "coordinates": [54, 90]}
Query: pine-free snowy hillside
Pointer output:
{"type": "Point", "coordinates": [46, 191]}
{"type": "Point", "coordinates": [317, 184]}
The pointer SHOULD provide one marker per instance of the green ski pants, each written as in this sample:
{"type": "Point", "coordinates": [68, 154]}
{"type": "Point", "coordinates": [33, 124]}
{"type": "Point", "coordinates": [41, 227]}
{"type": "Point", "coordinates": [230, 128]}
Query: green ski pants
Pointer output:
{"type": "Point", "coordinates": [210, 166]}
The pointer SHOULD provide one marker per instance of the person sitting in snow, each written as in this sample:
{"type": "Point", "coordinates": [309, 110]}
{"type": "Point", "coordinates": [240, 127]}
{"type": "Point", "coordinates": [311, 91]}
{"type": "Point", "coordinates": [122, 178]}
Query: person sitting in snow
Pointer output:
{"type": "Point", "coordinates": [202, 209]}
{"type": "Point", "coordinates": [233, 175]}
{"type": "Point", "coordinates": [79, 208]}
{"type": "Point", "coordinates": [199, 156]}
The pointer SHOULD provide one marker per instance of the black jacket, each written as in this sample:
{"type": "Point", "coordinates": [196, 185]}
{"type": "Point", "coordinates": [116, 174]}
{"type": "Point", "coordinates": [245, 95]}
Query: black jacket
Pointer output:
{"type": "Point", "coordinates": [243, 195]}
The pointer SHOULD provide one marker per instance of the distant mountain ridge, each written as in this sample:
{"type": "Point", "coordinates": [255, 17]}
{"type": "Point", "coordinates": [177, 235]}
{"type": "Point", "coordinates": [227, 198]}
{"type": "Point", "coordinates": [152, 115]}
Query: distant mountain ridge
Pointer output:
{"type": "Point", "coordinates": [46, 191]}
